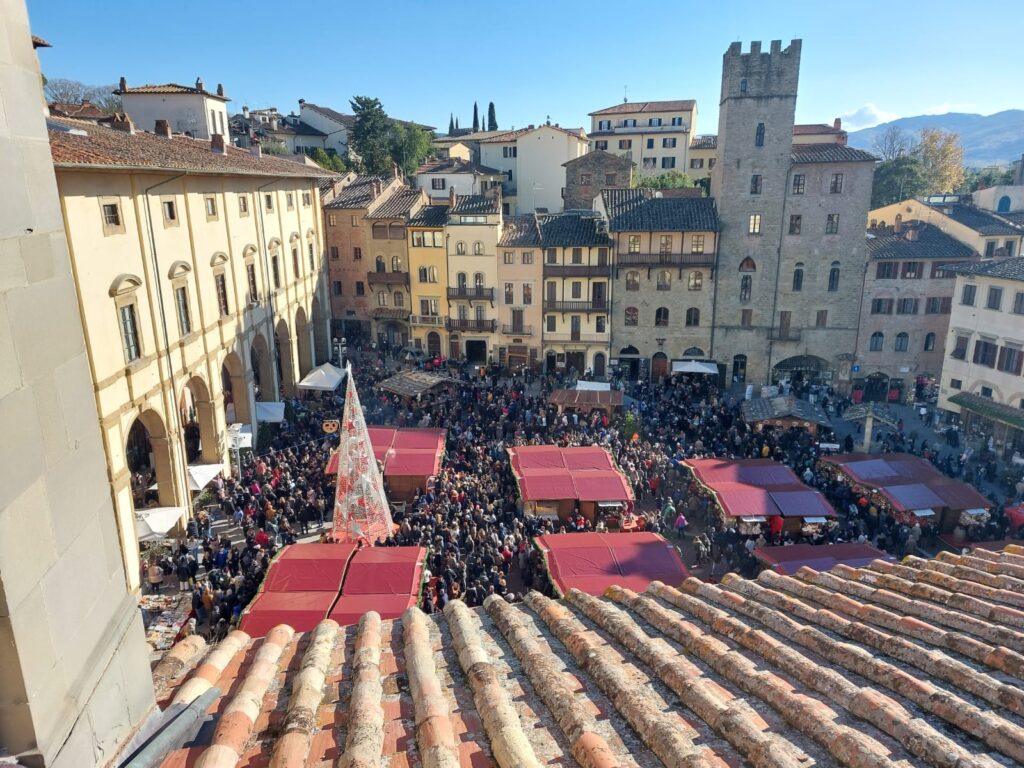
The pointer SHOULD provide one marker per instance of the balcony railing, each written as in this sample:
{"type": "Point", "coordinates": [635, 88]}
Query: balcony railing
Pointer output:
{"type": "Point", "coordinates": [576, 270]}
{"type": "Point", "coordinates": [575, 306]}
{"type": "Point", "coordinates": [472, 294]}
{"type": "Point", "coordinates": [485, 326]}
{"type": "Point", "coordinates": [388, 278]}
{"type": "Point", "coordinates": [784, 334]}
{"type": "Point", "coordinates": [517, 330]}
{"type": "Point", "coordinates": [585, 338]}
{"type": "Point", "coordinates": [427, 320]}
{"type": "Point", "coordinates": [664, 259]}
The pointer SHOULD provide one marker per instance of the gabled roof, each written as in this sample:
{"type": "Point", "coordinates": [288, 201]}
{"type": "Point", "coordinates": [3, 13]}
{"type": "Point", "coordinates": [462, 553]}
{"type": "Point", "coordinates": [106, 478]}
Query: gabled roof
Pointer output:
{"type": "Point", "coordinates": [644, 210]}
{"type": "Point", "coordinates": [633, 107]}
{"type": "Point", "coordinates": [475, 204]}
{"type": "Point", "coordinates": [298, 129]}
{"type": "Point", "coordinates": [509, 136]}
{"type": "Point", "coordinates": [359, 194]}
{"type": "Point", "coordinates": [79, 144]}
{"type": "Point", "coordinates": [84, 111]}
{"type": "Point", "coordinates": [396, 205]}
{"type": "Point", "coordinates": [815, 129]}
{"type": "Point", "coordinates": [430, 216]}
{"type": "Point", "coordinates": [520, 232]}
{"type": "Point", "coordinates": [981, 221]}
{"type": "Point", "coordinates": [606, 157]}
{"type": "Point", "coordinates": [830, 153]}
{"type": "Point", "coordinates": [1006, 269]}
{"type": "Point", "coordinates": [170, 88]}
{"type": "Point", "coordinates": [571, 229]}
{"type": "Point", "coordinates": [892, 664]}
{"type": "Point", "coordinates": [931, 242]}
{"type": "Point", "coordinates": [456, 165]}
{"type": "Point", "coordinates": [704, 142]}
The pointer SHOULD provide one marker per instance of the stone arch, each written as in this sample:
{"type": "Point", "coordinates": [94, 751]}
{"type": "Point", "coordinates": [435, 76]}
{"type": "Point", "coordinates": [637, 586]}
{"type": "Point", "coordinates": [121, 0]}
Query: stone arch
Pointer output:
{"type": "Point", "coordinates": [148, 457]}
{"type": "Point", "coordinates": [179, 269]}
{"type": "Point", "coordinates": [263, 373]}
{"type": "Point", "coordinates": [285, 358]}
{"type": "Point", "coordinates": [304, 346]}
{"type": "Point", "coordinates": [237, 396]}
{"type": "Point", "coordinates": [321, 339]}
{"type": "Point", "coordinates": [198, 422]}
{"type": "Point", "coordinates": [659, 366]}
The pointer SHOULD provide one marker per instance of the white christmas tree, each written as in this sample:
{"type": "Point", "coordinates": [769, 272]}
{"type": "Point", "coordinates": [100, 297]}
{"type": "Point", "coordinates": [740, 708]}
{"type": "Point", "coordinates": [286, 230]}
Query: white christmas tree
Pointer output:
{"type": "Point", "coordinates": [361, 510]}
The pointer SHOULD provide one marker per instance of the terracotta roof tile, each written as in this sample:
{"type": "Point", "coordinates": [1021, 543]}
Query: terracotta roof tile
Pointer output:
{"type": "Point", "coordinates": [830, 153]}
{"type": "Point", "coordinates": [474, 204]}
{"type": "Point", "coordinates": [397, 205]}
{"type": "Point", "coordinates": [981, 221]}
{"type": "Point", "coordinates": [635, 107]}
{"type": "Point", "coordinates": [171, 88]}
{"type": "Point", "coordinates": [895, 664]}
{"type": "Point", "coordinates": [930, 242]}
{"type": "Point", "coordinates": [646, 210]}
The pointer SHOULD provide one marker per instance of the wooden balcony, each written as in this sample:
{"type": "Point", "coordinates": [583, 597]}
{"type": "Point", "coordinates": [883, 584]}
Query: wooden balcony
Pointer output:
{"type": "Point", "coordinates": [664, 259]}
{"type": "Point", "coordinates": [387, 278]}
{"type": "Point", "coordinates": [472, 294]}
{"type": "Point", "coordinates": [575, 306]}
{"type": "Point", "coordinates": [784, 334]}
{"type": "Point", "coordinates": [517, 330]}
{"type": "Point", "coordinates": [577, 270]}
{"type": "Point", "coordinates": [479, 326]}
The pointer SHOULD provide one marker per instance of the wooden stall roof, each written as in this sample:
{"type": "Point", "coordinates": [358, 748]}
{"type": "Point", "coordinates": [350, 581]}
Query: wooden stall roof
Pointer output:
{"type": "Point", "coordinates": [583, 398]}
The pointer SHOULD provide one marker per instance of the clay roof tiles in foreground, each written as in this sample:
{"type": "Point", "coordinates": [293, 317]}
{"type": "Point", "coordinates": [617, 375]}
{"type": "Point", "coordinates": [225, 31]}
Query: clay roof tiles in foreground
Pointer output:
{"type": "Point", "coordinates": [911, 664]}
{"type": "Point", "coordinates": [80, 144]}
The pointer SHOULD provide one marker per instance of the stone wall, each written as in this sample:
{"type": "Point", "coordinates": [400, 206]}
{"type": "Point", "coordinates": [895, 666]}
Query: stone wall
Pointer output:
{"type": "Point", "coordinates": [597, 166]}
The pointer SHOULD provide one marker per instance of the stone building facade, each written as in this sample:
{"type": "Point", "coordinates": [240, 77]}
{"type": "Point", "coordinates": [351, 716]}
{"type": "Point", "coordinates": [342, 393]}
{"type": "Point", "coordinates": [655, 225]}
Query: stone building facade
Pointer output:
{"type": "Point", "coordinates": [784, 207]}
{"type": "Point", "coordinates": [586, 176]}
{"type": "Point", "coordinates": [908, 296]}
{"type": "Point", "coordinates": [665, 249]}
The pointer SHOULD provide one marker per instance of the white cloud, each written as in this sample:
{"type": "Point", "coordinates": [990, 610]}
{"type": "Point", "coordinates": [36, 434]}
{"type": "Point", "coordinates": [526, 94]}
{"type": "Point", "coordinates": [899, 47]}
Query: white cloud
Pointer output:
{"type": "Point", "coordinates": [866, 117]}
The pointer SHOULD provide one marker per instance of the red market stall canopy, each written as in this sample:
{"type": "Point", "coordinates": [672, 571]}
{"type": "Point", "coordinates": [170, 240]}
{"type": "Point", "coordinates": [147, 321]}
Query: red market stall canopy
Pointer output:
{"type": "Point", "coordinates": [550, 473]}
{"type": "Point", "coordinates": [788, 560]}
{"type": "Point", "coordinates": [350, 608]}
{"type": "Point", "coordinates": [750, 488]}
{"type": "Point", "coordinates": [592, 562]}
{"type": "Point", "coordinates": [404, 452]}
{"type": "Point", "coordinates": [302, 611]}
{"type": "Point", "coordinates": [385, 571]}
{"type": "Point", "coordinates": [309, 568]}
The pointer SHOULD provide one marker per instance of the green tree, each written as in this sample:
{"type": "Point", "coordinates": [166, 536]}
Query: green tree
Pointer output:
{"type": "Point", "coordinates": [670, 180]}
{"type": "Point", "coordinates": [451, 124]}
{"type": "Point", "coordinates": [476, 119]}
{"type": "Point", "coordinates": [492, 118]}
{"type": "Point", "coordinates": [410, 146]}
{"type": "Point", "coordinates": [898, 179]}
{"type": "Point", "coordinates": [371, 135]}
{"type": "Point", "coordinates": [942, 159]}
{"type": "Point", "coordinates": [975, 179]}
{"type": "Point", "coordinates": [327, 161]}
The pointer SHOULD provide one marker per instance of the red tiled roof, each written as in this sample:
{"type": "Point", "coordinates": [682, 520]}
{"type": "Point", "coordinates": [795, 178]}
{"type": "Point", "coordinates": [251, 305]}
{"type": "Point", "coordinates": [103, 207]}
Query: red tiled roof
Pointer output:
{"type": "Point", "coordinates": [812, 129]}
{"type": "Point", "coordinates": [171, 88]}
{"type": "Point", "coordinates": [634, 107]}
{"type": "Point", "coordinates": [83, 111]}
{"type": "Point", "coordinates": [79, 144]}
{"type": "Point", "coordinates": [893, 664]}
{"type": "Point", "coordinates": [508, 136]}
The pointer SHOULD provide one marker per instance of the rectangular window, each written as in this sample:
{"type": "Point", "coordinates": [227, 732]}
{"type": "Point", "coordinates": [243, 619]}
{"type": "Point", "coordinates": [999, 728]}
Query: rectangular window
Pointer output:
{"type": "Point", "coordinates": [602, 145]}
{"type": "Point", "coordinates": [360, 288]}
{"type": "Point", "coordinates": [438, 239]}
{"type": "Point", "coordinates": [654, 121]}
{"type": "Point", "coordinates": [211, 207]}
{"type": "Point", "coordinates": [527, 257]}
{"type": "Point", "coordinates": [438, 183]}
{"type": "Point", "coordinates": [960, 348]}
{"type": "Point", "coordinates": [332, 219]}
{"type": "Point", "coordinates": [111, 215]}
{"type": "Point", "coordinates": [625, 143]}
{"type": "Point", "coordinates": [268, 203]}
{"type": "Point", "coordinates": [630, 123]}
{"type": "Point", "coordinates": [312, 258]}
{"type": "Point", "coordinates": [181, 302]}
{"type": "Point", "coordinates": [967, 298]}
{"type": "Point", "coordinates": [697, 244]}
{"type": "Point", "coordinates": [941, 271]}
{"type": "Point", "coordinates": [835, 187]}
{"type": "Point", "coordinates": [881, 306]}
{"type": "Point", "coordinates": [600, 323]}
{"type": "Point", "coordinates": [129, 333]}
{"type": "Point", "coordinates": [577, 289]}
{"type": "Point", "coordinates": [509, 257]}
{"type": "Point", "coordinates": [357, 253]}
{"type": "Point", "coordinates": [799, 181]}
{"type": "Point", "coordinates": [995, 298]}
{"type": "Point", "coordinates": [610, 179]}
{"type": "Point", "coordinates": [938, 305]}
{"type": "Point", "coordinates": [1009, 248]}
{"type": "Point", "coordinates": [550, 320]}
{"type": "Point", "coordinates": [510, 293]}
{"type": "Point", "coordinates": [795, 220]}
{"type": "Point", "coordinates": [650, 163]}
{"type": "Point", "coordinates": [1010, 359]}
{"type": "Point", "coordinates": [334, 252]}
{"type": "Point", "coordinates": [355, 220]}
{"type": "Point", "coordinates": [668, 162]}
{"type": "Point", "coordinates": [754, 227]}
{"type": "Point", "coordinates": [634, 243]}
{"type": "Point", "coordinates": [250, 273]}
{"type": "Point", "coordinates": [577, 255]}
{"type": "Point", "coordinates": [668, 143]}
{"type": "Point", "coordinates": [417, 239]}
{"type": "Point", "coordinates": [990, 248]}
{"type": "Point", "coordinates": [1018, 303]}
{"type": "Point", "coordinates": [746, 318]}
{"type": "Point", "coordinates": [275, 268]}
{"type": "Point", "coordinates": [665, 245]}
{"type": "Point", "coordinates": [307, 199]}
{"type": "Point", "coordinates": [585, 179]}
{"type": "Point", "coordinates": [955, 384]}
{"type": "Point", "coordinates": [604, 125]}
{"type": "Point", "coordinates": [887, 270]}
{"type": "Point", "coordinates": [821, 319]}
{"type": "Point", "coordinates": [337, 287]}
{"type": "Point", "coordinates": [985, 353]}
{"type": "Point", "coordinates": [170, 211]}
{"type": "Point", "coordinates": [832, 224]}
{"type": "Point", "coordinates": [650, 143]}
{"type": "Point", "coordinates": [221, 284]}
{"type": "Point", "coordinates": [509, 152]}
{"type": "Point", "coordinates": [551, 256]}
{"type": "Point", "coordinates": [527, 293]}
{"type": "Point", "coordinates": [913, 270]}
{"type": "Point", "coordinates": [906, 307]}
{"type": "Point", "coordinates": [755, 185]}
{"type": "Point", "coordinates": [697, 162]}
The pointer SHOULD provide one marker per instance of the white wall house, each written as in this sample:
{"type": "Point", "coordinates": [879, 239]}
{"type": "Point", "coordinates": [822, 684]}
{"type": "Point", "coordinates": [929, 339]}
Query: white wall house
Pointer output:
{"type": "Point", "coordinates": [438, 177]}
{"type": "Point", "coordinates": [334, 125]}
{"type": "Point", "coordinates": [191, 110]}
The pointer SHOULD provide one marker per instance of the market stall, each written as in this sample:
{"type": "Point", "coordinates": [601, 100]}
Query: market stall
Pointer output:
{"type": "Point", "coordinates": [163, 618]}
{"type": "Point", "coordinates": [608, 401]}
{"type": "Point", "coordinates": [323, 378]}
{"type": "Point", "coordinates": [414, 384]}
{"type": "Point", "coordinates": [410, 457]}
{"type": "Point", "coordinates": [750, 493]}
{"type": "Point", "coordinates": [383, 579]}
{"type": "Point", "coordinates": [911, 490]}
{"type": "Point", "coordinates": [308, 568]}
{"type": "Point", "coordinates": [784, 413]}
{"type": "Point", "coordinates": [558, 482]}
{"type": "Point", "coordinates": [788, 560]}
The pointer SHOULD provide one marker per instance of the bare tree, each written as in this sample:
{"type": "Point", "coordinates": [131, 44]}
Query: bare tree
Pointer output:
{"type": "Point", "coordinates": [892, 143]}
{"type": "Point", "coordinates": [65, 91]}
{"type": "Point", "coordinates": [104, 98]}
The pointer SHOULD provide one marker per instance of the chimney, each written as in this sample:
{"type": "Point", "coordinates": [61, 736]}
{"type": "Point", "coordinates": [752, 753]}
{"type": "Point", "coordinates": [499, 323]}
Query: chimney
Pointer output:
{"type": "Point", "coordinates": [452, 197]}
{"type": "Point", "coordinates": [897, 226]}
{"type": "Point", "coordinates": [255, 149]}
{"type": "Point", "coordinates": [217, 144]}
{"type": "Point", "coordinates": [199, 84]}
{"type": "Point", "coordinates": [394, 170]}
{"type": "Point", "coordinates": [273, 122]}
{"type": "Point", "coordinates": [245, 112]}
{"type": "Point", "coordinates": [838, 124]}
{"type": "Point", "coordinates": [122, 85]}
{"type": "Point", "coordinates": [86, 103]}
{"type": "Point", "coordinates": [377, 188]}
{"type": "Point", "coordinates": [162, 128]}
{"type": "Point", "coordinates": [911, 235]}
{"type": "Point", "coordinates": [120, 121]}
{"type": "Point", "coordinates": [301, 102]}
{"type": "Point", "coordinates": [220, 89]}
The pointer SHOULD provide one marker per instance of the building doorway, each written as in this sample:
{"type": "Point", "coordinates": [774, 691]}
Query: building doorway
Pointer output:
{"type": "Point", "coordinates": [577, 361]}
{"type": "Point", "coordinates": [629, 362]}
{"type": "Point", "coordinates": [739, 369]}
{"type": "Point", "coordinates": [598, 294]}
{"type": "Point", "coordinates": [433, 344]}
{"type": "Point", "coordinates": [599, 365]}
{"type": "Point", "coordinates": [476, 351]}
{"type": "Point", "coordinates": [659, 366]}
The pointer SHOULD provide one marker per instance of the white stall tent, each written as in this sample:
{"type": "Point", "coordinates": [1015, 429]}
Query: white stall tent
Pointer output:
{"type": "Point", "coordinates": [153, 523]}
{"type": "Point", "coordinates": [201, 475]}
{"type": "Point", "coordinates": [692, 366]}
{"type": "Point", "coordinates": [270, 411]}
{"type": "Point", "coordinates": [323, 378]}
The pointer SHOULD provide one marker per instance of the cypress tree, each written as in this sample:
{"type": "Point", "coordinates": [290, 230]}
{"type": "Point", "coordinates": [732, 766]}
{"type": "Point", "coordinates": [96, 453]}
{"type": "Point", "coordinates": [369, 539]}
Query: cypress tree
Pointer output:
{"type": "Point", "coordinates": [451, 124]}
{"type": "Point", "coordinates": [476, 119]}
{"type": "Point", "coordinates": [492, 120]}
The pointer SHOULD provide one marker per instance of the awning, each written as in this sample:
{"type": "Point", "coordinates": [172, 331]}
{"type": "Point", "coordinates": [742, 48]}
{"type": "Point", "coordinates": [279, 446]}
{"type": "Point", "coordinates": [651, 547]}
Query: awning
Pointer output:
{"type": "Point", "coordinates": [270, 411]}
{"type": "Point", "coordinates": [985, 406]}
{"type": "Point", "coordinates": [240, 435]}
{"type": "Point", "coordinates": [200, 475]}
{"type": "Point", "coordinates": [816, 520]}
{"type": "Point", "coordinates": [924, 513]}
{"type": "Point", "coordinates": [976, 512]}
{"type": "Point", "coordinates": [153, 523]}
{"type": "Point", "coordinates": [754, 519]}
{"type": "Point", "coordinates": [323, 378]}
{"type": "Point", "coordinates": [692, 366]}
{"type": "Point", "coordinates": [597, 386]}
{"type": "Point", "coordinates": [609, 504]}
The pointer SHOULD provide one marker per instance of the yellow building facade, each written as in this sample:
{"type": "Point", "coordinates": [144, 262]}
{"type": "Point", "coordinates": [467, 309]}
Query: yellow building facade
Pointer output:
{"type": "Point", "coordinates": [198, 271]}
{"type": "Point", "coordinates": [472, 234]}
{"type": "Point", "coordinates": [428, 268]}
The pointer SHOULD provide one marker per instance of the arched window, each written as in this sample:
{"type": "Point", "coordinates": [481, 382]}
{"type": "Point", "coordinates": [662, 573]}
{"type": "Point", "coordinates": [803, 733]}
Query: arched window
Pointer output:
{"type": "Point", "coordinates": [380, 231]}
{"type": "Point", "coordinates": [632, 316]}
{"type": "Point", "coordinates": [632, 281]}
{"type": "Point", "coordinates": [432, 274]}
{"type": "Point", "coordinates": [661, 317]}
{"type": "Point", "coordinates": [902, 342]}
{"type": "Point", "coordinates": [798, 277]}
{"type": "Point", "coordinates": [382, 299]}
{"type": "Point", "coordinates": [695, 280]}
{"type": "Point", "coordinates": [396, 264]}
{"type": "Point", "coordinates": [422, 274]}
{"type": "Point", "coordinates": [692, 317]}
{"type": "Point", "coordinates": [929, 342]}
{"type": "Point", "coordinates": [478, 248]}
{"type": "Point", "coordinates": [746, 283]}
{"type": "Point", "coordinates": [478, 280]}
{"type": "Point", "coordinates": [665, 280]}
{"type": "Point", "coordinates": [833, 277]}
{"type": "Point", "coordinates": [759, 135]}
{"type": "Point", "coordinates": [877, 340]}
{"type": "Point", "coordinates": [460, 248]}
{"type": "Point", "coordinates": [399, 299]}
{"type": "Point", "coordinates": [1003, 206]}
{"type": "Point", "coordinates": [461, 281]}
{"type": "Point", "coordinates": [748, 265]}
{"type": "Point", "coordinates": [379, 263]}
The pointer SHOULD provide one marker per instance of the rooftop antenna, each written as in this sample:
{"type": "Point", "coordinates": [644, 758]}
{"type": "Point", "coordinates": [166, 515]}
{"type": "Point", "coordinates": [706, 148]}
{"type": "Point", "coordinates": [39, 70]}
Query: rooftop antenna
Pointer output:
{"type": "Point", "coordinates": [625, 94]}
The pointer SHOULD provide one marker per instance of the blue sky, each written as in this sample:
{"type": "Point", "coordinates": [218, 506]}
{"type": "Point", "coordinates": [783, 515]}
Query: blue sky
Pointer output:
{"type": "Point", "coordinates": [868, 62]}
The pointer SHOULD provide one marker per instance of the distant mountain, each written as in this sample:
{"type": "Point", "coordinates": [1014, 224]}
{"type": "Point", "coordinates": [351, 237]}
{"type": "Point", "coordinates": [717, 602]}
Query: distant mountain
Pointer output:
{"type": "Point", "coordinates": [988, 139]}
